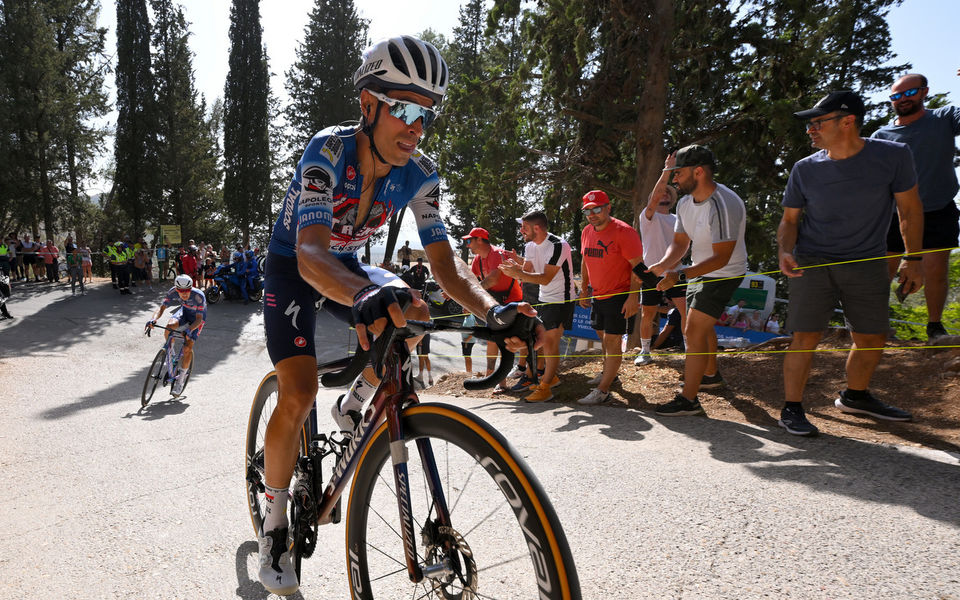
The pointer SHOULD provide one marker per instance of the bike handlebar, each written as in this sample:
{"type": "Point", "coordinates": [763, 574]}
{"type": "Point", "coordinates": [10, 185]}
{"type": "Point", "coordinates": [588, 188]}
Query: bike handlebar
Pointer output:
{"type": "Point", "coordinates": [344, 371]}
{"type": "Point", "coordinates": [148, 329]}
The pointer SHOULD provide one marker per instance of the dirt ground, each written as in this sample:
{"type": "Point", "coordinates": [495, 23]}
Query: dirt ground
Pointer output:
{"type": "Point", "coordinates": [912, 379]}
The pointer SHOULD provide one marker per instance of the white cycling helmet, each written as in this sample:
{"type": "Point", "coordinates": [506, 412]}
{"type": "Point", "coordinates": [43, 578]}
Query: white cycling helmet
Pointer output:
{"type": "Point", "coordinates": [403, 63]}
{"type": "Point", "coordinates": [183, 282]}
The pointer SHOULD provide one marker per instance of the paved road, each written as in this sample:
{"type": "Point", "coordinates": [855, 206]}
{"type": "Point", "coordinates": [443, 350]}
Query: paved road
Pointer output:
{"type": "Point", "coordinates": [104, 500]}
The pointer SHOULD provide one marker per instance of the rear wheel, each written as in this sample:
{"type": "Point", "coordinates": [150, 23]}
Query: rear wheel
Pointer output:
{"type": "Point", "coordinates": [264, 403]}
{"type": "Point", "coordinates": [503, 539]}
{"type": "Point", "coordinates": [154, 375]}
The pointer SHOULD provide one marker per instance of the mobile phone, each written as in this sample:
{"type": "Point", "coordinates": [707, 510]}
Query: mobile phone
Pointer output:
{"type": "Point", "coordinates": [901, 292]}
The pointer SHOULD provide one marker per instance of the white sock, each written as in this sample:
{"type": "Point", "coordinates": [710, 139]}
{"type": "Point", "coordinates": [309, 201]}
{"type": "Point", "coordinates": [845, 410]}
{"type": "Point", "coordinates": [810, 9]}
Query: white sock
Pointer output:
{"type": "Point", "coordinates": [360, 392]}
{"type": "Point", "coordinates": [274, 508]}
{"type": "Point", "coordinates": [645, 346]}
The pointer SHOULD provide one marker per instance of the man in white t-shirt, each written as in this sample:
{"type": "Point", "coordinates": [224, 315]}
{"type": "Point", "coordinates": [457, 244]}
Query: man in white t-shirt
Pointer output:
{"type": "Point", "coordinates": [547, 262]}
{"type": "Point", "coordinates": [656, 226]}
{"type": "Point", "coordinates": [711, 220]}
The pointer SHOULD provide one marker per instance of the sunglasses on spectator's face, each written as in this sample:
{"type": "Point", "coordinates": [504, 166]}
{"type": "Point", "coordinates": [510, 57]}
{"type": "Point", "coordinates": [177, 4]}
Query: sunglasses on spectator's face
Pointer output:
{"type": "Point", "coordinates": [595, 210]}
{"type": "Point", "coordinates": [908, 93]}
{"type": "Point", "coordinates": [407, 111]}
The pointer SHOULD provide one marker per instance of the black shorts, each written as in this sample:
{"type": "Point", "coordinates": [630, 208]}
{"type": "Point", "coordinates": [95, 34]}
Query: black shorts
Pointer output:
{"type": "Point", "coordinates": [29, 258]}
{"type": "Point", "coordinates": [940, 230]}
{"type": "Point", "coordinates": [289, 318]}
{"type": "Point", "coordinates": [651, 297]}
{"type": "Point", "coordinates": [606, 316]}
{"type": "Point", "coordinates": [423, 348]}
{"type": "Point", "coordinates": [556, 315]}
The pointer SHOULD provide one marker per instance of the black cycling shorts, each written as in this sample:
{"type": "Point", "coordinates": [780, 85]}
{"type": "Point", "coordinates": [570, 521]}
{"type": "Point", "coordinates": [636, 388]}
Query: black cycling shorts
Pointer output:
{"type": "Point", "coordinates": [289, 316]}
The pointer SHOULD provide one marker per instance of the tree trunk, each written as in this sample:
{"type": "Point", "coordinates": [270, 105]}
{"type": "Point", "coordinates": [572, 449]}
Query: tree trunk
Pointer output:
{"type": "Point", "coordinates": [46, 200]}
{"type": "Point", "coordinates": [75, 192]}
{"type": "Point", "coordinates": [393, 232]}
{"type": "Point", "coordinates": [653, 108]}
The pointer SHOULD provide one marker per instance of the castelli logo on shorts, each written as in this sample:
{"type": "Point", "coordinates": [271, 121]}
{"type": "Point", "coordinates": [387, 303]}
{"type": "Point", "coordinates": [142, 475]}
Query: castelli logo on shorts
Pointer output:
{"type": "Point", "coordinates": [351, 173]}
{"type": "Point", "coordinates": [300, 341]}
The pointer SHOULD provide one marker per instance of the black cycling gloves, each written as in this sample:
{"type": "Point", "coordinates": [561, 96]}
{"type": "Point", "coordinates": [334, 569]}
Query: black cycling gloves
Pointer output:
{"type": "Point", "coordinates": [371, 303]}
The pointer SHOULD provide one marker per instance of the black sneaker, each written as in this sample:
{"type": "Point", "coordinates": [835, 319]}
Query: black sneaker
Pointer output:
{"type": "Point", "coordinates": [795, 422]}
{"type": "Point", "coordinates": [712, 382]}
{"type": "Point", "coordinates": [873, 407]}
{"type": "Point", "coordinates": [934, 330]}
{"type": "Point", "coordinates": [679, 407]}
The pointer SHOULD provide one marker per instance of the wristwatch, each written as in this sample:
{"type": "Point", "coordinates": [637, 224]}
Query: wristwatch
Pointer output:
{"type": "Point", "coordinates": [681, 276]}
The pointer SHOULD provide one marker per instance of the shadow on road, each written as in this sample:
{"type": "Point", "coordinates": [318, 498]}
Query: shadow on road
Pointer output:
{"type": "Point", "coordinates": [248, 585]}
{"type": "Point", "coordinates": [876, 473]}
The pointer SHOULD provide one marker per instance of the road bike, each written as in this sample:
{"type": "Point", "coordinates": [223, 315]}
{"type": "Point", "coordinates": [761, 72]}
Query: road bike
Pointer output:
{"type": "Point", "coordinates": [461, 516]}
{"type": "Point", "coordinates": [166, 364]}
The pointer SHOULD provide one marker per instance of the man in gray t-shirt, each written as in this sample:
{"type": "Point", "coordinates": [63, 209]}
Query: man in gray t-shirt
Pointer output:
{"type": "Point", "coordinates": [836, 208]}
{"type": "Point", "coordinates": [930, 135]}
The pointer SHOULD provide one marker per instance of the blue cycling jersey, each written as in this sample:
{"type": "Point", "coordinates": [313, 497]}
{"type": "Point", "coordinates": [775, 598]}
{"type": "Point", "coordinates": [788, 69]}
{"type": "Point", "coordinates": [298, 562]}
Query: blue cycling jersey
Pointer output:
{"type": "Point", "coordinates": [325, 190]}
{"type": "Point", "coordinates": [195, 304]}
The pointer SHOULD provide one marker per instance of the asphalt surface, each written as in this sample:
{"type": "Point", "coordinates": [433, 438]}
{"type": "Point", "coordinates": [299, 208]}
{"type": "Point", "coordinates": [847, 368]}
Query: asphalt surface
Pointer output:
{"type": "Point", "coordinates": [104, 500]}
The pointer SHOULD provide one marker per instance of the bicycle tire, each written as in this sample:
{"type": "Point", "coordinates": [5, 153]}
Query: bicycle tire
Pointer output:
{"type": "Point", "coordinates": [518, 553]}
{"type": "Point", "coordinates": [154, 375]}
{"type": "Point", "coordinates": [264, 402]}
{"type": "Point", "coordinates": [212, 294]}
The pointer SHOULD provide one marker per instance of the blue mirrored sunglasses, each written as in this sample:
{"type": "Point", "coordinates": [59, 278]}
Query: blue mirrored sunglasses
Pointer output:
{"type": "Point", "coordinates": [907, 93]}
{"type": "Point", "coordinates": [408, 112]}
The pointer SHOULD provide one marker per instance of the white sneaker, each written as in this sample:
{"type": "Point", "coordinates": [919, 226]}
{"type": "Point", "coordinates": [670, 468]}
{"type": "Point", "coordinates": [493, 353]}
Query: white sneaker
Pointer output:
{"type": "Point", "coordinates": [594, 397]}
{"type": "Point", "coordinates": [644, 358]}
{"type": "Point", "coordinates": [181, 380]}
{"type": "Point", "coordinates": [277, 573]}
{"type": "Point", "coordinates": [346, 423]}
{"type": "Point", "coordinates": [596, 380]}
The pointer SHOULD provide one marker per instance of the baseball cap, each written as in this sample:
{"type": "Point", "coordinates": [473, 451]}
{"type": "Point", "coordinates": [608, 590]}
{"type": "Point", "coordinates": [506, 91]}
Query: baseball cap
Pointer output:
{"type": "Point", "coordinates": [694, 155]}
{"type": "Point", "coordinates": [842, 100]}
{"type": "Point", "coordinates": [477, 232]}
{"type": "Point", "coordinates": [595, 198]}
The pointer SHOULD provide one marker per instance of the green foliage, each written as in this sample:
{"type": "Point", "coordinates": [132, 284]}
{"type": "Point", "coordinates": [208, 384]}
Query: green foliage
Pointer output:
{"type": "Point", "coordinates": [247, 187]}
{"type": "Point", "coordinates": [320, 82]}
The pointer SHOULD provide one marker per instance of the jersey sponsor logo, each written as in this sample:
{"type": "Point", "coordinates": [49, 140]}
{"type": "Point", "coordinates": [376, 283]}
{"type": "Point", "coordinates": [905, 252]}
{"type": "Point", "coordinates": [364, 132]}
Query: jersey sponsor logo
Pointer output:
{"type": "Point", "coordinates": [317, 179]}
{"type": "Point", "coordinates": [423, 161]}
{"type": "Point", "coordinates": [350, 187]}
{"type": "Point", "coordinates": [351, 173]}
{"type": "Point", "coordinates": [332, 149]}
{"type": "Point", "coordinates": [300, 342]}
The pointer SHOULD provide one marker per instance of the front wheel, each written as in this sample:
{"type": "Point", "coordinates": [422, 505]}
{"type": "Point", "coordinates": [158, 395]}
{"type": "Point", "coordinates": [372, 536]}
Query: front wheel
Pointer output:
{"type": "Point", "coordinates": [264, 403]}
{"type": "Point", "coordinates": [154, 375]}
{"type": "Point", "coordinates": [503, 539]}
{"type": "Point", "coordinates": [213, 294]}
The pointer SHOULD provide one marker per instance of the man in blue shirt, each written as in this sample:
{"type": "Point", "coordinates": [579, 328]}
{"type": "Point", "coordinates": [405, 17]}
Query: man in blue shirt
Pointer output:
{"type": "Point", "coordinates": [930, 135]}
{"type": "Point", "coordinates": [836, 209]}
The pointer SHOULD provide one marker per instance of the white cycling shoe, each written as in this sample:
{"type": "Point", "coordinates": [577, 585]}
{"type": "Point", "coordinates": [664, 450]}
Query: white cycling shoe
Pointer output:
{"type": "Point", "coordinates": [277, 573]}
{"type": "Point", "coordinates": [347, 421]}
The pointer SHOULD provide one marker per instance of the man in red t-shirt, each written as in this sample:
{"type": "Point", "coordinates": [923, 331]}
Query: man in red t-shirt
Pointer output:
{"type": "Point", "coordinates": [610, 250]}
{"type": "Point", "coordinates": [504, 289]}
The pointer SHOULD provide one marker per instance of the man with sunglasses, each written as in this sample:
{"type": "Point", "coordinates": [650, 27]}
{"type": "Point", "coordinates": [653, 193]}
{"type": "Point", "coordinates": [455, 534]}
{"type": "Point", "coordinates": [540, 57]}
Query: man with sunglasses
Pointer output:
{"type": "Point", "coordinates": [930, 135]}
{"type": "Point", "coordinates": [191, 313]}
{"type": "Point", "coordinates": [836, 210]}
{"type": "Point", "coordinates": [348, 183]}
{"type": "Point", "coordinates": [711, 220]}
{"type": "Point", "coordinates": [610, 250]}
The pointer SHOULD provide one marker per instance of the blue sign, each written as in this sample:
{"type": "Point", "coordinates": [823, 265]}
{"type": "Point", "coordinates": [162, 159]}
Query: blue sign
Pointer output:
{"type": "Point", "coordinates": [581, 324]}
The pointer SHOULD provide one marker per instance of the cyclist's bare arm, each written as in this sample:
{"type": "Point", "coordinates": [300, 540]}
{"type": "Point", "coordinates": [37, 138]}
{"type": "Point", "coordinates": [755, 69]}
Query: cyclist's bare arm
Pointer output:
{"type": "Point", "coordinates": [157, 315]}
{"type": "Point", "coordinates": [458, 281]}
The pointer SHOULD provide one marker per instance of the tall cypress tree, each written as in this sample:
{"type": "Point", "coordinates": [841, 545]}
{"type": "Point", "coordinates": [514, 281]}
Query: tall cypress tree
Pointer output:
{"type": "Point", "coordinates": [187, 161]}
{"type": "Point", "coordinates": [246, 142]}
{"type": "Point", "coordinates": [320, 82]}
{"type": "Point", "coordinates": [135, 188]}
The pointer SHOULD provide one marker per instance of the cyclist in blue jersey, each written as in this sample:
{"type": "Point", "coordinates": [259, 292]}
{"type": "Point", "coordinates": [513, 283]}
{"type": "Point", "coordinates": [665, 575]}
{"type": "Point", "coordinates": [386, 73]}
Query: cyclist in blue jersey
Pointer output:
{"type": "Point", "coordinates": [191, 313]}
{"type": "Point", "coordinates": [348, 183]}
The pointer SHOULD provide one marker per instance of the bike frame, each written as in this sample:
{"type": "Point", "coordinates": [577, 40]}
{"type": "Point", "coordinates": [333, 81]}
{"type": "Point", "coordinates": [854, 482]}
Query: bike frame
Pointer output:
{"type": "Point", "coordinates": [168, 346]}
{"type": "Point", "coordinates": [394, 394]}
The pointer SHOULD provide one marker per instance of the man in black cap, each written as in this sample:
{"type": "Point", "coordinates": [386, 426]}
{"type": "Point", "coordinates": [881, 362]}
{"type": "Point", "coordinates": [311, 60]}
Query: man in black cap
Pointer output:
{"type": "Point", "coordinates": [837, 207]}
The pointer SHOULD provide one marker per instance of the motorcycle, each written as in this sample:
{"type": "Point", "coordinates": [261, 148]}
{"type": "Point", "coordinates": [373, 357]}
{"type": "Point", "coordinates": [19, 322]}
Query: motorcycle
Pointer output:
{"type": "Point", "coordinates": [224, 287]}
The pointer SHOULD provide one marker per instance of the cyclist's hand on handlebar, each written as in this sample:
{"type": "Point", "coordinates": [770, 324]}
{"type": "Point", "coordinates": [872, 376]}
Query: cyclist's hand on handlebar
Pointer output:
{"type": "Point", "coordinates": [503, 317]}
{"type": "Point", "coordinates": [372, 306]}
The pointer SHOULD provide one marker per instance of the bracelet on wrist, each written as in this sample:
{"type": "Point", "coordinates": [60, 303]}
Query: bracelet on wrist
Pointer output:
{"type": "Point", "coordinates": [912, 257]}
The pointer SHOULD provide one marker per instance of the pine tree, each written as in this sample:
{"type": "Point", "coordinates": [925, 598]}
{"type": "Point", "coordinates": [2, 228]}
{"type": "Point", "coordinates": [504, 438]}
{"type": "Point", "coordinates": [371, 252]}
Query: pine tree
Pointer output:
{"type": "Point", "coordinates": [247, 187]}
{"type": "Point", "coordinates": [320, 82]}
{"type": "Point", "coordinates": [135, 182]}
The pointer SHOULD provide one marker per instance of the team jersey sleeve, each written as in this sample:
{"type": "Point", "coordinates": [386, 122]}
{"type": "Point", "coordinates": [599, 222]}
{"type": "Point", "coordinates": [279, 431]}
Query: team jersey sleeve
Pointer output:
{"type": "Point", "coordinates": [171, 297]}
{"type": "Point", "coordinates": [425, 203]}
{"type": "Point", "coordinates": [319, 175]}
{"type": "Point", "coordinates": [200, 301]}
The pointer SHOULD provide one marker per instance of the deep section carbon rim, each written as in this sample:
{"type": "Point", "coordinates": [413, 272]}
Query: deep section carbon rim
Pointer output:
{"type": "Point", "coordinates": [154, 375]}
